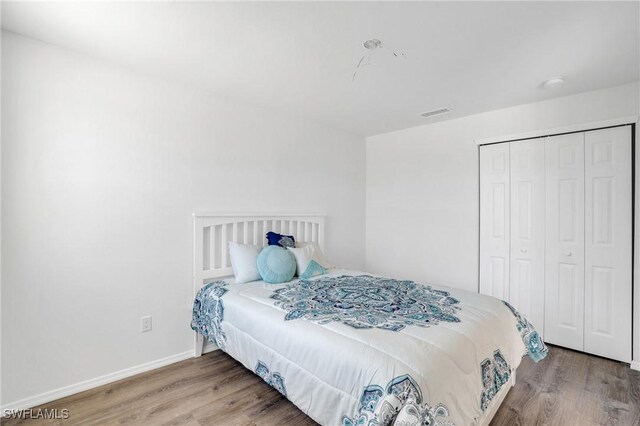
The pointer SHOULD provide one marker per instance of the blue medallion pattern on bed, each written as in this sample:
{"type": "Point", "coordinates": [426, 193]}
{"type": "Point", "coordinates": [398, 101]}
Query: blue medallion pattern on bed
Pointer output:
{"type": "Point", "coordinates": [536, 349]}
{"type": "Point", "coordinates": [495, 373]}
{"type": "Point", "coordinates": [275, 380]}
{"type": "Point", "coordinates": [208, 313]}
{"type": "Point", "coordinates": [400, 403]}
{"type": "Point", "coordinates": [364, 301]}
{"type": "Point", "coordinates": [438, 364]}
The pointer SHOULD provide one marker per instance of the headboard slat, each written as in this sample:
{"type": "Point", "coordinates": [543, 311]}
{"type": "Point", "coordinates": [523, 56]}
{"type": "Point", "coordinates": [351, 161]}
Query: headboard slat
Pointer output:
{"type": "Point", "coordinates": [264, 231]}
{"type": "Point", "coordinates": [255, 233]}
{"type": "Point", "coordinates": [222, 248]}
{"type": "Point", "coordinates": [213, 232]}
{"type": "Point", "coordinates": [206, 249]}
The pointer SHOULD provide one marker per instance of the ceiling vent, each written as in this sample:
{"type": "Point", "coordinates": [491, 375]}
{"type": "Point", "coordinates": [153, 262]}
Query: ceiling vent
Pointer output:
{"type": "Point", "coordinates": [435, 112]}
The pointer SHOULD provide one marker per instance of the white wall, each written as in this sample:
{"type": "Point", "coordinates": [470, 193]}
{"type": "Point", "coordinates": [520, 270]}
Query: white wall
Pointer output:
{"type": "Point", "coordinates": [636, 261]}
{"type": "Point", "coordinates": [102, 168]}
{"type": "Point", "coordinates": [422, 185]}
{"type": "Point", "coordinates": [101, 171]}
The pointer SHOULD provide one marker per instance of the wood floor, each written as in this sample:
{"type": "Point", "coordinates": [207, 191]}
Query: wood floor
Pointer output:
{"type": "Point", "coordinates": [571, 388]}
{"type": "Point", "coordinates": [568, 388]}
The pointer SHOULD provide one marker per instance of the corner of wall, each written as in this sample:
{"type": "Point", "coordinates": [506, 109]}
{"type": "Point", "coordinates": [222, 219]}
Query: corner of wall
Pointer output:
{"type": "Point", "coordinates": [636, 260]}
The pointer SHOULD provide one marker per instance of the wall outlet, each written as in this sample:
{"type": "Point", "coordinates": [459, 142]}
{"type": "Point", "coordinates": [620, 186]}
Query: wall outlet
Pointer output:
{"type": "Point", "coordinates": [145, 324]}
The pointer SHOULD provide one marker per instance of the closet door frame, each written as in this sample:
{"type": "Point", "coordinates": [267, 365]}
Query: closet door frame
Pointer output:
{"type": "Point", "coordinates": [580, 128]}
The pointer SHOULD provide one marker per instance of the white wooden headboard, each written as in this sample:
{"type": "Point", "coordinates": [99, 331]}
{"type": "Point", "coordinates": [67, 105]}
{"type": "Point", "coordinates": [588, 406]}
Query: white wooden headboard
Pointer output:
{"type": "Point", "coordinates": [213, 231]}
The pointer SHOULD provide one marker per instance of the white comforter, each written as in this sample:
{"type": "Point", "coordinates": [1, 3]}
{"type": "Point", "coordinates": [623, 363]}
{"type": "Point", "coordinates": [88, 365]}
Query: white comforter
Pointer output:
{"type": "Point", "coordinates": [359, 351]}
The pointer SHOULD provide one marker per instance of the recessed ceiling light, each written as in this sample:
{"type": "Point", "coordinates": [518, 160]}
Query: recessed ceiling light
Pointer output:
{"type": "Point", "coordinates": [553, 83]}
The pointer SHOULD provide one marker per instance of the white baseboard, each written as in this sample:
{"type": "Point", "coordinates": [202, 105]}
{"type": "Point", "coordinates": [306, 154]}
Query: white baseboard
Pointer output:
{"type": "Point", "coordinates": [635, 365]}
{"type": "Point", "coordinates": [52, 395]}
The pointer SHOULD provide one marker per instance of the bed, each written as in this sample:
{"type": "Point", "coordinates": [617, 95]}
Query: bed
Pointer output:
{"type": "Point", "coordinates": [352, 348]}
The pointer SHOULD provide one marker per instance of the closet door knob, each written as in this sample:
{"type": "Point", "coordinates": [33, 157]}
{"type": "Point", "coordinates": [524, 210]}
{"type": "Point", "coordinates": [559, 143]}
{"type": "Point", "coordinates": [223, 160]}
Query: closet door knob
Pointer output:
{"type": "Point", "coordinates": [523, 250]}
{"type": "Point", "coordinates": [569, 253]}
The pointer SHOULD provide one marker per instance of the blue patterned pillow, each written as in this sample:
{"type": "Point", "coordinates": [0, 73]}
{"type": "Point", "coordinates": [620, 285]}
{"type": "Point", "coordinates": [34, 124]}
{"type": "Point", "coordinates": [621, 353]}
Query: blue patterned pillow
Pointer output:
{"type": "Point", "coordinates": [275, 239]}
{"type": "Point", "coordinates": [276, 265]}
{"type": "Point", "coordinates": [312, 270]}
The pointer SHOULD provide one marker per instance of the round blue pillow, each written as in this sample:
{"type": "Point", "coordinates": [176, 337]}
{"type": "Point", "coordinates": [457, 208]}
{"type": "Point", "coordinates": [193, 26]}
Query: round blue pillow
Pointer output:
{"type": "Point", "coordinates": [276, 265]}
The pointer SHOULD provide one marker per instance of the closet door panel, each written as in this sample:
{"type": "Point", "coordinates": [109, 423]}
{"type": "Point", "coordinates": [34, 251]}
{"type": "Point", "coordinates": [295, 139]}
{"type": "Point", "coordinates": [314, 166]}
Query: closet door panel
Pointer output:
{"type": "Point", "coordinates": [564, 241]}
{"type": "Point", "coordinates": [494, 220]}
{"type": "Point", "coordinates": [608, 295]}
{"type": "Point", "coordinates": [527, 217]}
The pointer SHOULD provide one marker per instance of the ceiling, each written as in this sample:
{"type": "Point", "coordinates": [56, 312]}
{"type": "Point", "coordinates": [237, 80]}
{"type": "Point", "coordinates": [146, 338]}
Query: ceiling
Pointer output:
{"type": "Point", "coordinates": [300, 57]}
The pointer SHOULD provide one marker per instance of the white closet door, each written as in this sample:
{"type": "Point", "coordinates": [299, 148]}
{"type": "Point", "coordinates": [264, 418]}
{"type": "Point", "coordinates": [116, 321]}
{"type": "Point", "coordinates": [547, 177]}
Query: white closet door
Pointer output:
{"type": "Point", "coordinates": [494, 220]}
{"type": "Point", "coordinates": [564, 251]}
{"type": "Point", "coordinates": [608, 295]}
{"type": "Point", "coordinates": [526, 288]}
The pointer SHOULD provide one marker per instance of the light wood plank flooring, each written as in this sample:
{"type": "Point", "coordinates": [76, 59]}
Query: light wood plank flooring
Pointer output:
{"type": "Point", "coordinates": [568, 388]}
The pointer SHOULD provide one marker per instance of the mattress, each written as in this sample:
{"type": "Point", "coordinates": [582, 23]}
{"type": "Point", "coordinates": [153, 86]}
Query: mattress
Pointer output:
{"type": "Point", "coordinates": [350, 348]}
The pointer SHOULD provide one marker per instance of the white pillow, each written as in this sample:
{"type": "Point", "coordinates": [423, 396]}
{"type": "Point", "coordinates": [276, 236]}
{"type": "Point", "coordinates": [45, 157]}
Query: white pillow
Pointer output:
{"type": "Point", "coordinates": [306, 252]}
{"type": "Point", "coordinates": [303, 257]}
{"type": "Point", "coordinates": [318, 256]}
{"type": "Point", "coordinates": [244, 261]}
